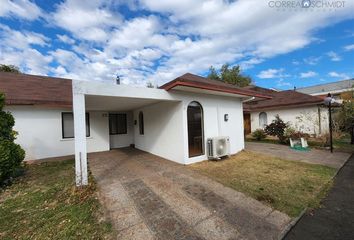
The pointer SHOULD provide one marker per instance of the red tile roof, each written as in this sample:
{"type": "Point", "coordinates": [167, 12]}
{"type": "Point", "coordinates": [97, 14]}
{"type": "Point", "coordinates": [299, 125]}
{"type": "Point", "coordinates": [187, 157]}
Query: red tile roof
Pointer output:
{"type": "Point", "coordinates": [283, 99]}
{"type": "Point", "coordinates": [195, 81]}
{"type": "Point", "coordinates": [24, 89]}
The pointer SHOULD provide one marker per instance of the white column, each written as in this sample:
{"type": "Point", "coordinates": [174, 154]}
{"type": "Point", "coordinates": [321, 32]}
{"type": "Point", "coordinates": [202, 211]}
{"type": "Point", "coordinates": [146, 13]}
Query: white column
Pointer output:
{"type": "Point", "coordinates": [80, 139]}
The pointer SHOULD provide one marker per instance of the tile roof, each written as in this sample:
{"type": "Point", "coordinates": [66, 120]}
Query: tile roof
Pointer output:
{"type": "Point", "coordinates": [195, 81]}
{"type": "Point", "coordinates": [24, 89]}
{"type": "Point", "coordinates": [283, 99]}
{"type": "Point", "coordinates": [328, 87]}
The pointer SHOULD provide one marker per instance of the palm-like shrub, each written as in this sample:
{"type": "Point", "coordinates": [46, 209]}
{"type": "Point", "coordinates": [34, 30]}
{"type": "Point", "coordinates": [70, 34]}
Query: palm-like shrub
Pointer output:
{"type": "Point", "coordinates": [277, 128]}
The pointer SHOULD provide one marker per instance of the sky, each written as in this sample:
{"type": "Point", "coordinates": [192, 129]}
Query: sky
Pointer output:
{"type": "Point", "coordinates": [278, 46]}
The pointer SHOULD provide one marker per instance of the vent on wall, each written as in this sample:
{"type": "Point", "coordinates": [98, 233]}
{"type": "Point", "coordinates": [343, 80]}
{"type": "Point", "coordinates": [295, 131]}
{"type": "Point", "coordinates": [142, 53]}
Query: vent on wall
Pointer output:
{"type": "Point", "coordinates": [218, 147]}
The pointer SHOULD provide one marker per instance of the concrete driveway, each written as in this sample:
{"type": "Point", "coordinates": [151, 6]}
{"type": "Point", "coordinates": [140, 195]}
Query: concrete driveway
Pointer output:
{"type": "Point", "coordinates": [314, 156]}
{"type": "Point", "coordinates": [148, 197]}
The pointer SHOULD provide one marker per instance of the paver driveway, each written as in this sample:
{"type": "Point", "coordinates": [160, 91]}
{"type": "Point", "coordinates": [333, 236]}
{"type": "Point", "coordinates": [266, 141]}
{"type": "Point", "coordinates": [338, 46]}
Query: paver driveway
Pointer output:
{"type": "Point", "coordinates": [148, 197]}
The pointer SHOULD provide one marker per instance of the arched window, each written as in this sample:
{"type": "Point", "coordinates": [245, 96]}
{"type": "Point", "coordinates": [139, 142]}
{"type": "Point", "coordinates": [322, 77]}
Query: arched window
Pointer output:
{"type": "Point", "coordinates": [195, 129]}
{"type": "Point", "coordinates": [263, 121]}
{"type": "Point", "coordinates": [141, 123]}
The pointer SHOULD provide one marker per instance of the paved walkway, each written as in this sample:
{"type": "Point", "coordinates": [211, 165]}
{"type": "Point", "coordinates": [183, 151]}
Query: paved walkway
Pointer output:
{"type": "Point", "coordinates": [314, 156]}
{"type": "Point", "coordinates": [335, 219]}
{"type": "Point", "coordinates": [148, 197]}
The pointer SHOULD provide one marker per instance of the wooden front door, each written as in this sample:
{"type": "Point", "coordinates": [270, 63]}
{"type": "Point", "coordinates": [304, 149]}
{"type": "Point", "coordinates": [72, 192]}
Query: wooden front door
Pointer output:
{"type": "Point", "coordinates": [247, 123]}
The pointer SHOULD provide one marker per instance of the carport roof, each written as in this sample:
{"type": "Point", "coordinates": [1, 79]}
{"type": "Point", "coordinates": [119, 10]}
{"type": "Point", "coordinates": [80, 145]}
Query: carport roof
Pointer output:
{"type": "Point", "coordinates": [194, 81]}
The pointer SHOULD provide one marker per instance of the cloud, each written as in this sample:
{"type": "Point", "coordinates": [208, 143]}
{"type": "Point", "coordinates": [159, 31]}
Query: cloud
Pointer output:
{"type": "Point", "coordinates": [20, 40]}
{"type": "Point", "coordinates": [89, 21]}
{"type": "Point", "coordinates": [334, 56]}
{"type": "Point", "coordinates": [160, 40]}
{"type": "Point", "coordinates": [312, 60]}
{"type": "Point", "coordinates": [338, 75]}
{"type": "Point", "coordinates": [20, 9]}
{"type": "Point", "coordinates": [272, 73]}
{"type": "Point", "coordinates": [349, 47]}
{"type": "Point", "coordinates": [65, 39]}
{"type": "Point", "coordinates": [308, 74]}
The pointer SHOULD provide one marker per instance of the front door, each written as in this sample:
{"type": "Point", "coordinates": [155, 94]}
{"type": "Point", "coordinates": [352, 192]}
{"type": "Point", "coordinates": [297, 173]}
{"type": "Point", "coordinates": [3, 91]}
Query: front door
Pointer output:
{"type": "Point", "coordinates": [247, 123]}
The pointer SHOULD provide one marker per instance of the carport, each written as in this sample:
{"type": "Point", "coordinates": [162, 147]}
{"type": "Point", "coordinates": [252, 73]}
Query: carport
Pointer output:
{"type": "Point", "coordinates": [96, 96]}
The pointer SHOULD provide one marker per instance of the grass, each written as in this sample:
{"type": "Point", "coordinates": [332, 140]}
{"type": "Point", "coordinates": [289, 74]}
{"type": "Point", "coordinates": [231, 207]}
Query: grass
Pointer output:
{"type": "Point", "coordinates": [287, 186]}
{"type": "Point", "coordinates": [44, 204]}
{"type": "Point", "coordinates": [339, 145]}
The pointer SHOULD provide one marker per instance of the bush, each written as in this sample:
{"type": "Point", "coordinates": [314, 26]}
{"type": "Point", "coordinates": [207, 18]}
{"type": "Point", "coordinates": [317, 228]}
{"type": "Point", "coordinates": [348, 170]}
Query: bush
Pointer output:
{"type": "Point", "coordinates": [292, 133]}
{"type": "Point", "coordinates": [11, 154]}
{"type": "Point", "coordinates": [259, 134]}
{"type": "Point", "coordinates": [277, 128]}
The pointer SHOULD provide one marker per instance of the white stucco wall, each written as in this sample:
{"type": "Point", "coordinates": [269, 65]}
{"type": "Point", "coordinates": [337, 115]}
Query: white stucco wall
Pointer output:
{"type": "Point", "coordinates": [40, 132]}
{"type": "Point", "coordinates": [214, 108]}
{"type": "Point", "coordinates": [303, 119]}
{"type": "Point", "coordinates": [124, 140]}
{"type": "Point", "coordinates": [163, 130]}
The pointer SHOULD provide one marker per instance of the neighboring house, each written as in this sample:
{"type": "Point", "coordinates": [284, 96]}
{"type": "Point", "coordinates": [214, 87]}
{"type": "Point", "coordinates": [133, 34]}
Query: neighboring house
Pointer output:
{"type": "Point", "coordinates": [303, 112]}
{"type": "Point", "coordinates": [173, 122]}
{"type": "Point", "coordinates": [335, 88]}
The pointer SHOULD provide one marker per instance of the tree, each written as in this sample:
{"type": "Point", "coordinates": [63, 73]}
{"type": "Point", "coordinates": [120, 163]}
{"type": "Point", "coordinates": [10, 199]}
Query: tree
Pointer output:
{"type": "Point", "coordinates": [345, 116]}
{"type": "Point", "coordinates": [11, 154]}
{"type": "Point", "coordinates": [9, 68]}
{"type": "Point", "coordinates": [277, 128]}
{"type": "Point", "coordinates": [230, 75]}
{"type": "Point", "coordinates": [213, 74]}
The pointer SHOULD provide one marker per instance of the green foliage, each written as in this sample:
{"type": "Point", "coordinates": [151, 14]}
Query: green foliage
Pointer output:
{"type": "Point", "coordinates": [9, 68]}
{"type": "Point", "coordinates": [230, 75]}
{"type": "Point", "coordinates": [213, 74]}
{"type": "Point", "coordinates": [259, 134]}
{"type": "Point", "coordinates": [11, 154]}
{"type": "Point", "coordinates": [277, 128]}
{"type": "Point", "coordinates": [292, 133]}
{"type": "Point", "coordinates": [345, 117]}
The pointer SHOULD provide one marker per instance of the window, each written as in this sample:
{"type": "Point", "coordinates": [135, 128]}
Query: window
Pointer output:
{"type": "Point", "coordinates": [141, 123]}
{"type": "Point", "coordinates": [117, 123]}
{"type": "Point", "coordinates": [67, 121]}
{"type": "Point", "coordinates": [263, 120]}
{"type": "Point", "coordinates": [195, 129]}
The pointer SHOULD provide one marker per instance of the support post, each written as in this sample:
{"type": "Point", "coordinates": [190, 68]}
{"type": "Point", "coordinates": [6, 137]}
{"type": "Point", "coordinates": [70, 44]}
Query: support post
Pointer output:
{"type": "Point", "coordinates": [330, 126]}
{"type": "Point", "coordinates": [80, 139]}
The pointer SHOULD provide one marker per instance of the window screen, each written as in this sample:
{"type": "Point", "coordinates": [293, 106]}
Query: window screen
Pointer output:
{"type": "Point", "coordinates": [68, 125]}
{"type": "Point", "coordinates": [117, 123]}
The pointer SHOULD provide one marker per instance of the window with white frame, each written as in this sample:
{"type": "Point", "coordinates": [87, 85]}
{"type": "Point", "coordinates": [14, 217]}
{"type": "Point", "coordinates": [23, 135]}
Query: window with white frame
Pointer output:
{"type": "Point", "coordinates": [263, 121]}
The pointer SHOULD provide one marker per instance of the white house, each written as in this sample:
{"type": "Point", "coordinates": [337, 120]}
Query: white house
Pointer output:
{"type": "Point", "coordinates": [173, 121]}
{"type": "Point", "coordinates": [303, 112]}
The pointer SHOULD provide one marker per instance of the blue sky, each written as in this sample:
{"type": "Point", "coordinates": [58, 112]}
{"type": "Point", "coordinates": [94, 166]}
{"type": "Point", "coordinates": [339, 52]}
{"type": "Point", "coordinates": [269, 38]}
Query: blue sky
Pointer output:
{"type": "Point", "coordinates": [156, 41]}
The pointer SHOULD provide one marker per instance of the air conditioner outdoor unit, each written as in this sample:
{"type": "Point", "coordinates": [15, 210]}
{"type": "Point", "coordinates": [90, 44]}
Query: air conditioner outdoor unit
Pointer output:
{"type": "Point", "coordinates": [218, 147]}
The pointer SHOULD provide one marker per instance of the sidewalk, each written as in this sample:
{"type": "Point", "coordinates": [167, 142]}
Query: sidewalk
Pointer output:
{"type": "Point", "coordinates": [314, 156]}
{"type": "Point", "coordinates": [335, 219]}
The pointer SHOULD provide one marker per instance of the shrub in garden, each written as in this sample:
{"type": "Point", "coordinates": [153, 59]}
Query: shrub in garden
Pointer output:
{"type": "Point", "coordinates": [277, 128]}
{"type": "Point", "coordinates": [259, 134]}
{"type": "Point", "coordinates": [11, 154]}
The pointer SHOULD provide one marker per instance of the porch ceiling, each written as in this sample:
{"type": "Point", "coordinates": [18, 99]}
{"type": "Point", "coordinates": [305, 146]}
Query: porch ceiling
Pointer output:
{"type": "Point", "coordinates": [107, 103]}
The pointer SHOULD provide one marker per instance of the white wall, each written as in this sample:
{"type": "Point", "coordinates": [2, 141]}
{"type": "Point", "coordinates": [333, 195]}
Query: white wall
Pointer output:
{"type": "Point", "coordinates": [163, 130]}
{"type": "Point", "coordinates": [214, 108]}
{"type": "Point", "coordinates": [304, 119]}
{"type": "Point", "coordinates": [40, 132]}
{"type": "Point", "coordinates": [124, 140]}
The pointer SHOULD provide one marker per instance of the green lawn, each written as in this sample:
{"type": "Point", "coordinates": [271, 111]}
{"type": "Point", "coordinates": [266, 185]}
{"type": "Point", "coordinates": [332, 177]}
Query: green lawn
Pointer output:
{"type": "Point", "coordinates": [44, 204]}
{"type": "Point", "coordinates": [287, 186]}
